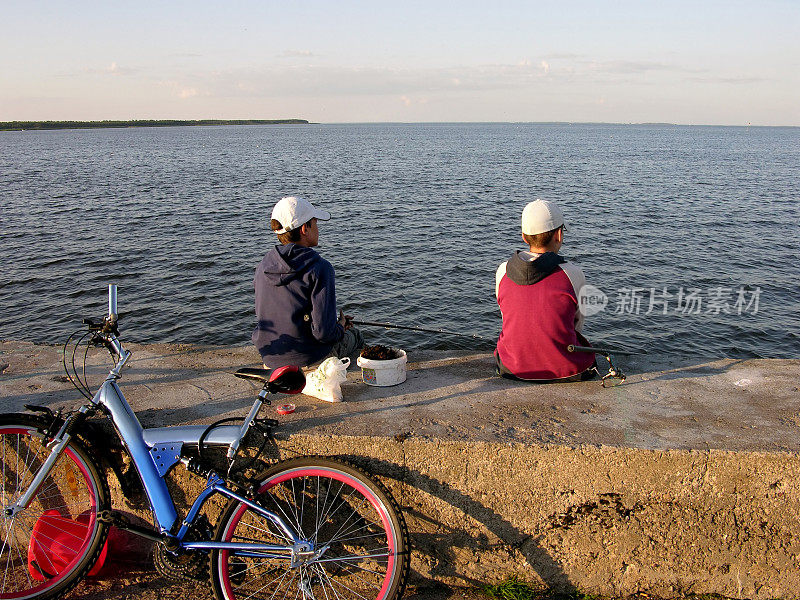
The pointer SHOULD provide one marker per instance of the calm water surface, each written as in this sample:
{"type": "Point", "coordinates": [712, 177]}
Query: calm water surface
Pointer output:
{"type": "Point", "coordinates": [682, 220]}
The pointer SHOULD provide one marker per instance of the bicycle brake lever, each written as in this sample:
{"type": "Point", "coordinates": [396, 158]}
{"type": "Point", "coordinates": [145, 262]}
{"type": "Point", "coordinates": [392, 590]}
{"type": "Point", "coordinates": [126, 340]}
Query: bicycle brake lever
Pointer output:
{"type": "Point", "coordinates": [93, 325]}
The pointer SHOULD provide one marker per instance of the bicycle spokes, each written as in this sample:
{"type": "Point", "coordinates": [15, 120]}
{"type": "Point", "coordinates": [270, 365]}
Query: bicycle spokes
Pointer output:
{"type": "Point", "coordinates": [350, 539]}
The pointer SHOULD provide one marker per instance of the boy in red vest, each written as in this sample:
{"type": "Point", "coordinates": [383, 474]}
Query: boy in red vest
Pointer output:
{"type": "Point", "coordinates": [538, 292]}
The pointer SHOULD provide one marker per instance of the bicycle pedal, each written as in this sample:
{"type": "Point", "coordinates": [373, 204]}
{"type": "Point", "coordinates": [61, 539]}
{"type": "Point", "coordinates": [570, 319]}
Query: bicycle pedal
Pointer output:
{"type": "Point", "coordinates": [110, 517]}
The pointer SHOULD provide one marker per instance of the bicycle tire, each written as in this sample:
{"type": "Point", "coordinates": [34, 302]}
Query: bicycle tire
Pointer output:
{"type": "Point", "coordinates": [352, 516]}
{"type": "Point", "coordinates": [47, 548]}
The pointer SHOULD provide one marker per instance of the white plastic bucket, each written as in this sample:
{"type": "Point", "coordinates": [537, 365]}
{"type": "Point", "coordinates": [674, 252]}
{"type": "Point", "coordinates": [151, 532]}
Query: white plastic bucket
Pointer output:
{"type": "Point", "coordinates": [384, 372]}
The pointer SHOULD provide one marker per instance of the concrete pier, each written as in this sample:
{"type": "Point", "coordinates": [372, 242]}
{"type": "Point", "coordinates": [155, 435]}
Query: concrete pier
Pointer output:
{"type": "Point", "coordinates": [685, 479]}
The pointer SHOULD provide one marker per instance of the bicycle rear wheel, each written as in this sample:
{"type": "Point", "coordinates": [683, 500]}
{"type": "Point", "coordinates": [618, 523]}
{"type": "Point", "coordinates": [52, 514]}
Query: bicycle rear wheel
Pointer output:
{"type": "Point", "coordinates": [357, 538]}
{"type": "Point", "coordinates": [48, 547]}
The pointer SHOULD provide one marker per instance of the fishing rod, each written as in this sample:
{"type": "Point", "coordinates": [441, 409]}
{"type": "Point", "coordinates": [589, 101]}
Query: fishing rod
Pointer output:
{"type": "Point", "coordinates": [603, 351]}
{"type": "Point", "coordinates": [613, 371]}
{"type": "Point", "coordinates": [423, 329]}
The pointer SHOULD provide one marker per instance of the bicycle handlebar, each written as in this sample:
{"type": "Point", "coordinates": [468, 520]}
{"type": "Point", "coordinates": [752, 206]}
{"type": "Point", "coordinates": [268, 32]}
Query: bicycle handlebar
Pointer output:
{"type": "Point", "coordinates": [112, 302]}
{"type": "Point", "coordinates": [110, 321]}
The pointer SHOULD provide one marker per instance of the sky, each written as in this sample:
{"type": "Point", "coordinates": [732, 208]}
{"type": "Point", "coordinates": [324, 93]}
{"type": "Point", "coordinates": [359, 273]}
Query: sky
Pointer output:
{"type": "Point", "coordinates": [698, 62]}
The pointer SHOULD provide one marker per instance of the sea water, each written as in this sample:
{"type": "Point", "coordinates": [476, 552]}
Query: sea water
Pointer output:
{"type": "Point", "coordinates": [690, 234]}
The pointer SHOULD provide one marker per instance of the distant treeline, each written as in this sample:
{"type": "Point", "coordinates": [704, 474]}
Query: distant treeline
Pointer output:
{"type": "Point", "coordinates": [20, 125]}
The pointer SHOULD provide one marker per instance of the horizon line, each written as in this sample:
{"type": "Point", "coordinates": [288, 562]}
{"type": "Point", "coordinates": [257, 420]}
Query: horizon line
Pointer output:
{"type": "Point", "coordinates": [309, 122]}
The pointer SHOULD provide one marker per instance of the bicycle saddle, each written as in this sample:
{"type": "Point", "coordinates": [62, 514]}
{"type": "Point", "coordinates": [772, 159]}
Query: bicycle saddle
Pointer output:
{"type": "Point", "coordinates": [254, 373]}
{"type": "Point", "coordinates": [285, 380]}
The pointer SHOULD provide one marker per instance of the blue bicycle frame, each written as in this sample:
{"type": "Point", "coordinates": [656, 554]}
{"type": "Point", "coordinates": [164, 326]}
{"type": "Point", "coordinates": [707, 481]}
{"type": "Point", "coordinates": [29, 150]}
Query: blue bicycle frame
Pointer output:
{"type": "Point", "coordinates": [155, 451]}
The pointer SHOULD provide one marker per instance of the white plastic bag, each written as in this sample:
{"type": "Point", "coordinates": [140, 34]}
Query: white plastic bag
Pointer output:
{"type": "Point", "coordinates": [325, 382]}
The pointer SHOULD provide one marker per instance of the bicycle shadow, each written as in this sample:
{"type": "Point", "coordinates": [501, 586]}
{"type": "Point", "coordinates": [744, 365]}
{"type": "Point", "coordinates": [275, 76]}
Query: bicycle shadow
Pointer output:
{"type": "Point", "coordinates": [441, 543]}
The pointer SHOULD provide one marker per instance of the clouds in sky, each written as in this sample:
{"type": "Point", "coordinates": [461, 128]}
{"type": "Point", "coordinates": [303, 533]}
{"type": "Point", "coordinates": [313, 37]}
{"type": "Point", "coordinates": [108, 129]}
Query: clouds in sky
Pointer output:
{"type": "Point", "coordinates": [274, 80]}
{"type": "Point", "coordinates": [305, 80]}
{"type": "Point", "coordinates": [352, 61]}
{"type": "Point", "coordinates": [526, 76]}
{"type": "Point", "coordinates": [112, 68]}
{"type": "Point", "coordinates": [298, 83]}
{"type": "Point", "coordinates": [295, 54]}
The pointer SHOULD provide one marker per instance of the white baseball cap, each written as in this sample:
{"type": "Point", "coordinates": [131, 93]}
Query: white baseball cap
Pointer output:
{"type": "Point", "coordinates": [540, 216]}
{"type": "Point", "coordinates": [292, 212]}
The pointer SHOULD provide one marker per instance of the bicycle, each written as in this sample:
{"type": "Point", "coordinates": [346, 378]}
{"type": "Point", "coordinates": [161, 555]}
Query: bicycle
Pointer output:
{"type": "Point", "coordinates": [307, 527]}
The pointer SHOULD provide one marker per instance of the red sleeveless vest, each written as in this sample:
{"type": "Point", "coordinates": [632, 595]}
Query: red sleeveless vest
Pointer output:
{"type": "Point", "coordinates": [538, 325]}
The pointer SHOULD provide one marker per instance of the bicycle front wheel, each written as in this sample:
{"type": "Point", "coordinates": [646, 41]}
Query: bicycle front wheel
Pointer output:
{"type": "Point", "coordinates": [353, 537]}
{"type": "Point", "coordinates": [48, 546]}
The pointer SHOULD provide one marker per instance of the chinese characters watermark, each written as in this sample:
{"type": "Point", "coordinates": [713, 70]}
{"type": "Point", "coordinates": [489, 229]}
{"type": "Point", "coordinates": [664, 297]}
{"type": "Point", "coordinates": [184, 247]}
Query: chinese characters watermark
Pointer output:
{"type": "Point", "coordinates": [676, 300]}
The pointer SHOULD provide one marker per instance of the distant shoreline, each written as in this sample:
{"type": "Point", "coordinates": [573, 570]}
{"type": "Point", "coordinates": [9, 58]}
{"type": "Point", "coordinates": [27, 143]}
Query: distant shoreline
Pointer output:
{"type": "Point", "coordinates": [39, 125]}
{"type": "Point", "coordinates": [43, 125]}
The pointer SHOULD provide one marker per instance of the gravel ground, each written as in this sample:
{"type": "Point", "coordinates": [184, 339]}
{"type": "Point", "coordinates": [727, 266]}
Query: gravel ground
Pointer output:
{"type": "Point", "coordinates": [141, 584]}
